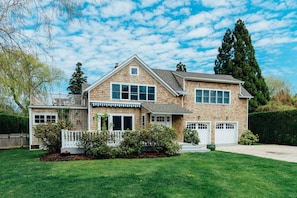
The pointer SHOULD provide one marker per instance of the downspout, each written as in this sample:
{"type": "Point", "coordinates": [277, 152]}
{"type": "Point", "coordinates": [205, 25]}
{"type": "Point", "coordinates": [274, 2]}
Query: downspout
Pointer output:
{"type": "Point", "coordinates": [247, 114]}
{"type": "Point", "coordinates": [30, 128]}
{"type": "Point", "coordinates": [89, 111]}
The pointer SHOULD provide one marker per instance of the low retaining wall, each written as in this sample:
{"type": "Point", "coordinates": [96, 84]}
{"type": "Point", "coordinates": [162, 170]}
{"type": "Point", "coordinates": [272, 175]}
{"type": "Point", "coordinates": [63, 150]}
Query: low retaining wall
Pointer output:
{"type": "Point", "coordinates": [14, 140]}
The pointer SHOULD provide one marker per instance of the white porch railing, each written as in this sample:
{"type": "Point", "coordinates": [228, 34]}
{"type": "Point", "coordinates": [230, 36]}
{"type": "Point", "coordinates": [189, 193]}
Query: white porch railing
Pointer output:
{"type": "Point", "coordinates": [71, 139]}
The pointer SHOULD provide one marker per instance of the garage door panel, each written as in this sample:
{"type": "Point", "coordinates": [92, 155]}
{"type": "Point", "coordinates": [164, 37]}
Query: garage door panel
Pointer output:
{"type": "Point", "coordinates": [203, 130]}
{"type": "Point", "coordinates": [226, 133]}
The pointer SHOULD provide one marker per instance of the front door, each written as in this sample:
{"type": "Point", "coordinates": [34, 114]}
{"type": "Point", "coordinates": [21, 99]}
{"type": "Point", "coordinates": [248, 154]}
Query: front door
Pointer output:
{"type": "Point", "coordinates": [162, 120]}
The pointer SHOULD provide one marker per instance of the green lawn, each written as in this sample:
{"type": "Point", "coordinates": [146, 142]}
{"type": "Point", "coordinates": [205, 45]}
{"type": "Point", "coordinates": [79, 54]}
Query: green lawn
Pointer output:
{"type": "Point", "coordinates": [213, 174]}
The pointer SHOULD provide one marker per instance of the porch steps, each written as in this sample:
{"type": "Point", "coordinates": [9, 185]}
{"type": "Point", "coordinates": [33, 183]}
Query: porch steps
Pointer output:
{"type": "Point", "coordinates": [190, 148]}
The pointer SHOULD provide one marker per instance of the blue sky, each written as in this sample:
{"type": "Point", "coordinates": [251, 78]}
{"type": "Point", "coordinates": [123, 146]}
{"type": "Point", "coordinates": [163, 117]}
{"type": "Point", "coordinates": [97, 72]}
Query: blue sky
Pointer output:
{"type": "Point", "coordinates": [163, 33]}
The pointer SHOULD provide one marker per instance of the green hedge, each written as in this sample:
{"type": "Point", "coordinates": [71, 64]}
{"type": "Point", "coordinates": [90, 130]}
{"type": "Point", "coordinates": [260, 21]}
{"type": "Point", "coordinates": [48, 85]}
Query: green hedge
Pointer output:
{"type": "Point", "coordinates": [13, 124]}
{"type": "Point", "coordinates": [275, 127]}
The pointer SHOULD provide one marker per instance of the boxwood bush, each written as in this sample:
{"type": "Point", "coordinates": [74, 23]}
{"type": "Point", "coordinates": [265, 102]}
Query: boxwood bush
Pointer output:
{"type": "Point", "coordinates": [278, 127]}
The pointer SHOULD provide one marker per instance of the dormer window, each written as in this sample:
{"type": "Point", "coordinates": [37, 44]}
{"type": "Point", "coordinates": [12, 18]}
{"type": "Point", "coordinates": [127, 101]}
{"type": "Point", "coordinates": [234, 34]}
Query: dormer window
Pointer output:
{"type": "Point", "coordinates": [134, 70]}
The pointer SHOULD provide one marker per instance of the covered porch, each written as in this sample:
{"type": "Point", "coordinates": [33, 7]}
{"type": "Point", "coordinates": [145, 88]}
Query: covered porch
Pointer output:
{"type": "Point", "coordinates": [171, 115]}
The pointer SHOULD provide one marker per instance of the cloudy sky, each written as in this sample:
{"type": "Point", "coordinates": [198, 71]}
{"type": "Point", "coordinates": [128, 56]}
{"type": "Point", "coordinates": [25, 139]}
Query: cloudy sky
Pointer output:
{"type": "Point", "coordinates": [163, 33]}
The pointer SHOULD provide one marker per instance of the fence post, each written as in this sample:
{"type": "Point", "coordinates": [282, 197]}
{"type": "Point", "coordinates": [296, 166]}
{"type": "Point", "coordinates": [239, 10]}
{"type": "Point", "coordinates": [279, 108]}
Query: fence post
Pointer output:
{"type": "Point", "coordinates": [63, 134]}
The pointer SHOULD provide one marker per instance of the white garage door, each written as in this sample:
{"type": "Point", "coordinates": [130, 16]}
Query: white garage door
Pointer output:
{"type": "Point", "coordinates": [203, 131]}
{"type": "Point", "coordinates": [226, 133]}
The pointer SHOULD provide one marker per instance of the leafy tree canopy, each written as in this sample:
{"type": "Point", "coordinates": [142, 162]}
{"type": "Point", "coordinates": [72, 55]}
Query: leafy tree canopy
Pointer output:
{"type": "Point", "coordinates": [22, 75]}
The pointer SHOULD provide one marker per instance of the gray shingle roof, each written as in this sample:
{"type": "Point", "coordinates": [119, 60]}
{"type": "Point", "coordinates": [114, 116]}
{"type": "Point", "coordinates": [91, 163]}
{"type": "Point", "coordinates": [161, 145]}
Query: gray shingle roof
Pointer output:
{"type": "Point", "coordinates": [207, 77]}
{"type": "Point", "coordinates": [171, 109]}
{"type": "Point", "coordinates": [169, 78]}
{"type": "Point", "coordinates": [244, 93]}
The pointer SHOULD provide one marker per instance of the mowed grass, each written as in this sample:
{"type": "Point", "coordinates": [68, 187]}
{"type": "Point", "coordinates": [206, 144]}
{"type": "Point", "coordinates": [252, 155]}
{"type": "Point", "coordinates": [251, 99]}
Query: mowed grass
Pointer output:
{"type": "Point", "coordinates": [213, 174]}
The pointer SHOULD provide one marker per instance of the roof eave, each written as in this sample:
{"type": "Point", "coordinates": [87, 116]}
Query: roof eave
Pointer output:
{"type": "Point", "coordinates": [214, 80]}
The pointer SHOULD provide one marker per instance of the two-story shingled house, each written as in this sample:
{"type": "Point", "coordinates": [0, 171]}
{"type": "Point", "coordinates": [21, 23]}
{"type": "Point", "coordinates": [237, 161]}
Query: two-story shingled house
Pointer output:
{"type": "Point", "coordinates": [134, 95]}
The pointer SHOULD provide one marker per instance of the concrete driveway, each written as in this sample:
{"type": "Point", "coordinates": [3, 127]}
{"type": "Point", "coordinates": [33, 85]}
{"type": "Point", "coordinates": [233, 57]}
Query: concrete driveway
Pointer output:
{"type": "Point", "coordinates": [272, 151]}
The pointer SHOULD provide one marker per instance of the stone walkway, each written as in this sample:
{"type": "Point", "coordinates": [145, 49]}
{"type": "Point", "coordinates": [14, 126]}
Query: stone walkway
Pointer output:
{"type": "Point", "coordinates": [272, 151]}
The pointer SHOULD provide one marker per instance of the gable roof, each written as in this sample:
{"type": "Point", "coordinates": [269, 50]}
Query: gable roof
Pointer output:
{"type": "Point", "coordinates": [123, 65]}
{"type": "Point", "coordinates": [168, 78]}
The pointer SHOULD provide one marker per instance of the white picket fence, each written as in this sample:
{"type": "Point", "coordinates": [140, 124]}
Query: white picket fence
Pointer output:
{"type": "Point", "coordinates": [71, 139]}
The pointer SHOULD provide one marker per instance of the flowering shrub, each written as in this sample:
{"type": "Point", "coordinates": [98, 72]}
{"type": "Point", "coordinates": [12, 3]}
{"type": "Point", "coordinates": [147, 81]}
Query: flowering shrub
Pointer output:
{"type": "Point", "coordinates": [191, 136]}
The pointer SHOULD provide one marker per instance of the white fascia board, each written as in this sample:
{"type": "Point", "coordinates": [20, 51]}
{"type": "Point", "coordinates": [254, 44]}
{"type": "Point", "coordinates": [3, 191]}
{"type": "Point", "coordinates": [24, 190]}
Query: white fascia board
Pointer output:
{"type": "Point", "coordinates": [215, 80]}
{"type": "Point", "coordinates": [56, 107]}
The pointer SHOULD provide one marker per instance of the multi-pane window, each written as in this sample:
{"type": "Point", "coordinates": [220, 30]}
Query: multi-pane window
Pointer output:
{"type": "Point", "coordinates": [116, 123]}
{"type": "Point", "coordinates": [133, 92]}
{"type": "Point", "coordinates": [212, 96]}
{"type": "Point", "coordinates": [230, 126]}
{"type": "Point", "coordinates": [160, 119]}
{"type": "Point", "coordinates": [220, 126]}
{"type": "Point", "coordinates": [45, 118]}
{"type": "Point", "coordinates": [201, 126]}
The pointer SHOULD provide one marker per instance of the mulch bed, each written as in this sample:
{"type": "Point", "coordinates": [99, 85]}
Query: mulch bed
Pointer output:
{"type": "Point", "coordinates": [55, 157]}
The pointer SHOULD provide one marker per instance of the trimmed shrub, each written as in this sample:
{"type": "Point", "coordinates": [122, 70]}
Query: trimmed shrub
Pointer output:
{"type": "Point", "coordinates": [50, 135]}
{"type": "Point", "coordinates": [278, 127]}
{"type": "Point", "coordinates": [191, 136]}
{"type": "Point", "coordinates": [13, 124]}
{"type": "Point", "coordinates": [95, 144]}
{"type": "Point", "coordinates": [156, 138]}
{"type": "Point", "coordinates": [248, 138]}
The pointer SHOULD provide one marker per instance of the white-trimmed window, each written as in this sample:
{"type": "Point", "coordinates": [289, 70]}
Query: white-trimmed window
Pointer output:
{"type": "Point", "coordinates": [134, 70]}
{"type": "Point", "coordinates": [143, 120]}
{"type": "Point", "coordinates": [162, 120]}
{"type": "Point", "coordinates": [212, 96]}
{"type": "Point", "coordinates": [133, 92]}
{"type": "Point", "coordinates": [45, 118]}
{"type": "Point", "coordinates": [117, 122]}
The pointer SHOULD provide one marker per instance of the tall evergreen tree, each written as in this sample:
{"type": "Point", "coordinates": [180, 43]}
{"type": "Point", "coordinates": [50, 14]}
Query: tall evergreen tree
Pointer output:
{"type": "Point", "coordinates": [223, 63]}
{"type": "Point", "coordinates": [76, 81]}
{"type": "Point", "coordinates": [243, 64]}
{"type": "Point", "coordinates": [181, 67]}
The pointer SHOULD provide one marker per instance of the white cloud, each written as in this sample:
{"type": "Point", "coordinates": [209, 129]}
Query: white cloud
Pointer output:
{"type": "Point", "coordinates": [199, 32]}
{"type": "Point", "coordinates": [117, 8]}
{"type": "Point", "coordinates": [267, 25]}
{"type": "Point", "coordinates": [164, 33]}
{"type": "Point", "coordinates": [175, 4]}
